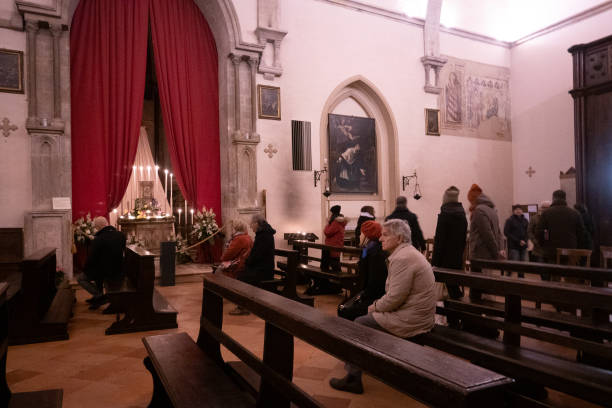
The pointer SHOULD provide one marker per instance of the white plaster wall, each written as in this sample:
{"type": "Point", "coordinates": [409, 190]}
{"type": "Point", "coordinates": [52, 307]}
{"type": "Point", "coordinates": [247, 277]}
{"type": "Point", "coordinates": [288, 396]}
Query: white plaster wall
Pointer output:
{"type": "Point", "coordinates": [327, 44]}
{"type": "Point", "coordinates": [15, 174]}
{"type": "Point", "coordinates": [542, 108]}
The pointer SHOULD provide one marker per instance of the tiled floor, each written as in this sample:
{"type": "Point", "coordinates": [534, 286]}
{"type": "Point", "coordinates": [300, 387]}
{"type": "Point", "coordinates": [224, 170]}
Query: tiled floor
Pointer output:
{"type": "Point", "coordinates": [107, 371]}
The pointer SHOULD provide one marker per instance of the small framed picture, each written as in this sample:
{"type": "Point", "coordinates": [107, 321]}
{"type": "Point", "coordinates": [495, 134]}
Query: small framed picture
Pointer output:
{"type": "Point", "coordinates": [432, 122]}
{"type": "Point", "coordinates": [269, 102]}
{"type": "Point", "coordinates": [11, 71]}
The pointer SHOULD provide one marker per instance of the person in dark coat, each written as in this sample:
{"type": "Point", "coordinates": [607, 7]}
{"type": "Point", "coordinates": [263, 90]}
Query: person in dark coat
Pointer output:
{"type": "Point", "coordinates": [515, 231]}
{"type": "Point", "coordinates": [560, 227]}
{"type": "Point", "coordinates": [402, 212]}
{"type": "Point", "coordinates": [366, 214]}
{"type": "Point", "coordinates": [373, 269]}
{"type": "Point", "coordinates": [451, 232]}
{"type": "Point", "coordinates": [105, 261]}
{"type": "Point", "coordinates": [589, 225]}
{"type": "Point", "coordinates": [260, 263]}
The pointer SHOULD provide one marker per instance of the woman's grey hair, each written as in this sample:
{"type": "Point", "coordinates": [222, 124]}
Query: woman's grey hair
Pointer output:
{"type": "Point", "coordinates": [399, 228]}
{"type": "Point", "coordinates": [258, 219]}
{"type": "Point", "coordinates": [239, 225]}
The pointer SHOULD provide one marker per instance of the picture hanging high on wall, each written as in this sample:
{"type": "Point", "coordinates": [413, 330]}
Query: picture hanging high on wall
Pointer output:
{"type": "Point", "coordinates": [353, 164]}
{"type": "Point", "coordinates": [269, 102]}
{"type": "Point", "coordinates": [11, 71]}
{"type": "Point", "coordinates": [432, 122]}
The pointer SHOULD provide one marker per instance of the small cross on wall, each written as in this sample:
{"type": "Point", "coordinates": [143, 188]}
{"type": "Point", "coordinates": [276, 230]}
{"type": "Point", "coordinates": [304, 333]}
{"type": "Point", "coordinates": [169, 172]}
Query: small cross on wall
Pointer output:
{"type": "Point", "coordinates": [270, 150]}
{"type": "Point", "coordinates": [6, 128]}
{"type": "Point", "coordinates": [530, 172]}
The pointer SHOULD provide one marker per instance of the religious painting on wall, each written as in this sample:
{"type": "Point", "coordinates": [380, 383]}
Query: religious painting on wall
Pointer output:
{"type": "Point", "coordinates": [11, 71]}
{"type": "Point", "coordinates": [353, 164]}
{"type": "Point", "coordinates": [475, 100]}
{"type": "Point", "coordinates": [432, 122]}
{"type": "Point", "coordinates": [269, 102]}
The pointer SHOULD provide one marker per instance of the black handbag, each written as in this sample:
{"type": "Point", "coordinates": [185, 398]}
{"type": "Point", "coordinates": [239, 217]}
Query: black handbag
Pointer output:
{"type": "Point", "coordinates": [354, 307]}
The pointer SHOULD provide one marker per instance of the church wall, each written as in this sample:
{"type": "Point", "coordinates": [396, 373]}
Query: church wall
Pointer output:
{"type": "Point", "coordinates": [542, 108]}
{"type": "Point", "coordinates": [15, 164]}
{"type": "Point", "coordinates": [325, 46]}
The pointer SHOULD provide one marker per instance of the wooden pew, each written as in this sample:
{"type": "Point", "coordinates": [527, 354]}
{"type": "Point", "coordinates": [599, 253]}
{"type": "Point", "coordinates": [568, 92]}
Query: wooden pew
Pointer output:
{"type": "Point", "coordinates": [38, 310]}
{"type": "Point", "coordinates": [37, 399]}
{"type": "Point", "coordinates": [508, 357]}
{"type": "Point", "coordinates": [135, 296]}
{"type": "Point", "coordinates": [289, 278]}
{"type": "Point", "coordinates": [186, 374]}
{"type": "Point", "coordinates": [349, 280]}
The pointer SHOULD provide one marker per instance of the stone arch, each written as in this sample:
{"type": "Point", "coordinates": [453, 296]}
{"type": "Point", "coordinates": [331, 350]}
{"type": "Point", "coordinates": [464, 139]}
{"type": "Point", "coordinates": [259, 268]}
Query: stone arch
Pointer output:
{"type": "Point", "coordinates": [237, 121]}
{"type": "Point", "coordinates": [374, 104]}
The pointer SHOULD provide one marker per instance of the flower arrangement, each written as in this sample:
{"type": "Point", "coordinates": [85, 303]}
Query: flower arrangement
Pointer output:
{"type": "Point", "coordinates": [204, 224]}
{"type": "Point", "coordinates": [145, 207]}
{"type": "Point", "coordinates": [83, 229]}
{"type": "Point", "coordinates": [181, 244]}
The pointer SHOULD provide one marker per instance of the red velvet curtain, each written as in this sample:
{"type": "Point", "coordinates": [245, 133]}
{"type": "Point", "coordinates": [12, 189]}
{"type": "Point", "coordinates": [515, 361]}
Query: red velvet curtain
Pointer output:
{"type": "Point", "coordinates": [186, 67]}
{"type": "Point", "coordinates": [108, 51]}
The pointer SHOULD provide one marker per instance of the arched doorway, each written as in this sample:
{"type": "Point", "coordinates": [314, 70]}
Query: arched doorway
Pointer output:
{"type": "Point", "coordinates": [361, 92]}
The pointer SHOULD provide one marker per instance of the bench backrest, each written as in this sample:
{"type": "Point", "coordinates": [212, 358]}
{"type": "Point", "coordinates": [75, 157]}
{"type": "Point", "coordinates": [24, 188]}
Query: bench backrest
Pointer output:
{"type": "Point", "coordinates": [5, 392]}
{"type": "Point", "coordinates": [37, 283]}
{"type": "Point", "coordinates": [314, 245]}
{"type": "Point", "coordinates": [591, 274]}
{"type": "Point", "coordinates": [426, 374]}
{"type": "Point", "coordinates": [140, 268]}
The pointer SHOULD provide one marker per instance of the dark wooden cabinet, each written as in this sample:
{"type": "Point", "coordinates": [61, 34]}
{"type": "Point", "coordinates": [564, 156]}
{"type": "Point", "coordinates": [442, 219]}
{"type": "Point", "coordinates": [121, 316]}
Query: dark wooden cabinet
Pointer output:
{"type": "Point", "coordinates": [592, 95]}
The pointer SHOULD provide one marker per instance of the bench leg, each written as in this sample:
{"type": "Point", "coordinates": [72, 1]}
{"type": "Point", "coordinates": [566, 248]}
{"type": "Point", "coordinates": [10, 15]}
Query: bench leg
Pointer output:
{"type": "Point", "coordinates": [160, 398]}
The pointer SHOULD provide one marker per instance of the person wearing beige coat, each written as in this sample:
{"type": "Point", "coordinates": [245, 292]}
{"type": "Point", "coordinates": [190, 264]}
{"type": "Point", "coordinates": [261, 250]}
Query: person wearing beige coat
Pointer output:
{"type": "Point", "coordinates": [408, 307]}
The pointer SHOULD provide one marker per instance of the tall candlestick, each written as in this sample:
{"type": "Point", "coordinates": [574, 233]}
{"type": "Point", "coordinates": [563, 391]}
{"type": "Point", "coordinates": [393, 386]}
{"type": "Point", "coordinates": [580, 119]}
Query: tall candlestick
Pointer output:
{"type": "Point", "coordinates": [116, 218]}
{"type": "Point", "coordinates": [166, 193]}
{"type": "Point", "coordinates": [179, 211]}
{"type": "Point", "coordinates": [192, 216]}
{"type": "Point", "coordinates": [148, 173]}
{"type": "Point", "coordinates": [133, 192]}
{"type": "Point", "coordinates": [171, 200]}
{"type": "Point", "coordinates": [185, 212]}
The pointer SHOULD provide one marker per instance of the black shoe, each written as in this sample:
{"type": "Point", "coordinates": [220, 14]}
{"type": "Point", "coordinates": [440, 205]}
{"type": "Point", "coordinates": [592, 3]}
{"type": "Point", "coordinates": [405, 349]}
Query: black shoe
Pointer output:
{"type": "Point", "coordinates": [98, 301]}
{"type": "Point", "coordinates": [348, 384]}
{"type": "Point", "coordinates": [91, 299]}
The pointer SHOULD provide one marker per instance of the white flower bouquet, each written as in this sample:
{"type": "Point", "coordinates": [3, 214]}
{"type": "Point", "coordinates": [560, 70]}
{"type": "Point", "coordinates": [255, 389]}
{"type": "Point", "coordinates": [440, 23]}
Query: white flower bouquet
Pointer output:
{"type": "Point", "coordinates": [204, 224]}
{"type": "Point", "coordinates": [83, 229]}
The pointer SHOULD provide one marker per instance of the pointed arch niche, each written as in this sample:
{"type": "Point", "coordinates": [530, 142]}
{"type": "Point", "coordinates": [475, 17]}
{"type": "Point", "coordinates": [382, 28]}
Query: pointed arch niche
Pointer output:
{"type": "Point", "coordinates": [359, 97]}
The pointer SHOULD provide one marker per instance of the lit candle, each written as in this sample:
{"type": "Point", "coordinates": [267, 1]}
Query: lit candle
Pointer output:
{"type": "Point", "coordinates": [166, 193]}
{"type": "Point", "coordinates": [116, 220]}
{"type": "Point", "coordinates": [148, 173]}
{"type": "Point", "coordinates": [185, 212]}
{"type": "Point", "coordinates": [179, 211]}
{"type": "Point", "coordinates": [171, 200]}
{"type": "Point", "coordinates": [192, 216]}
{"type": "Point", "coordinates": [133, 192]}
{"type": "Point", "coordinates": [155, 178]}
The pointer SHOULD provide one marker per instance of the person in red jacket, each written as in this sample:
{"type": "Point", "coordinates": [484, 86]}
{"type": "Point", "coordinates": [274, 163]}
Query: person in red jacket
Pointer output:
{"type": "Point", "coordinates": [235, 254]}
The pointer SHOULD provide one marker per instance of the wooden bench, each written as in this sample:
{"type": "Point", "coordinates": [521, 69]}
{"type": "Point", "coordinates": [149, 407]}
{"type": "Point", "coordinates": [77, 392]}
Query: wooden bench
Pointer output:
{"type": "Point", "coordinates": [349, 279]}
{"type": "Point", "coordinates": [135, 296]}
{"type": "Point", "coordinates": [38, 310]}
{"type": "Point", "coordinates": [37, 399]}
{"type": "Point", "coordinates": [507, 356]}
{"type": "Point", "coordinates": [189, 374]}
{"type": "Point", "coordinates": [289, 277]}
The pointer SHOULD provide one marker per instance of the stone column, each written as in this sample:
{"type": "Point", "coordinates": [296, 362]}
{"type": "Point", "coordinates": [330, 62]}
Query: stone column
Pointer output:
{"type": "Point", "coordinates": [253, 64]}
{"type": "Point", "coordinates": [236, 61]}
{"type": "Point", "coordinates": [56, 32]}
{"type": "Point", "coordinates": [31, 33]}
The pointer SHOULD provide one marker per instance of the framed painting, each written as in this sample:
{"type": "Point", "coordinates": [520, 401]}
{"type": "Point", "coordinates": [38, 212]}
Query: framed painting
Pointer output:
{"type": "Point", "coordinates": [269, 102]}
{"type": "Point", "coordinates": [11, 71]}
{"type": "Point", "coordinates": [353, 161]}
{"type": "Point", "coordinates": [432, 122]}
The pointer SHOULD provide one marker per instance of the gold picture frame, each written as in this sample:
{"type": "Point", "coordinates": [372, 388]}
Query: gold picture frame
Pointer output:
{"type": "Point", "coordinates": [11, 71]}
{"type": "Point", "coordinates": [432, 122]}
{"type": "Point", "coordinates": [269, 102]}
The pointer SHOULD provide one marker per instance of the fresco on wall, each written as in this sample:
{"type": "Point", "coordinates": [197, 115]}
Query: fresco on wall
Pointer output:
{"type": "Point", "coordinates": [352, 154]}
{"type": "Point", "coordinates": [475, 100]}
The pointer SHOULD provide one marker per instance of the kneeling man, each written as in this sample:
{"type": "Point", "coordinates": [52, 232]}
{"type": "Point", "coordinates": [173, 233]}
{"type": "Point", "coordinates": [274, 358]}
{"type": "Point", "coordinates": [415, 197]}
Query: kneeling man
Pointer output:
{"type": "Point", "coordinates": [408, 306]}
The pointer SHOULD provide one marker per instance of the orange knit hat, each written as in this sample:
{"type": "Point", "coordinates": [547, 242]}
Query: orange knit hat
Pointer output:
{"type": "Point", "coordinates": [474, 192]}
{"type": "Point", "coordinates": [371, 229]}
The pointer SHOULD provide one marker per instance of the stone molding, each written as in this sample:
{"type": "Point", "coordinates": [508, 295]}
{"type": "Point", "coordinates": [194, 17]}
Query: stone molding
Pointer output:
{"type": "Point", "coordinates": [275, 37]}
{"type": "Point", "coordinates": [435, 64]}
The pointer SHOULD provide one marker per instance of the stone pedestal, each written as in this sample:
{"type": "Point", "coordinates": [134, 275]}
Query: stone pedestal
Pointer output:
{"type": "Point", "coordinates": [50, 228]}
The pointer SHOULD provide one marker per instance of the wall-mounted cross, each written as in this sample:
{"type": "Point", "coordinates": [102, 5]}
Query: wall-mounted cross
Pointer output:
{"type": "Point", "coordinates": [530, 172]}
{"type": "Point", "coordinates": [6, 128]}
{"type": "Point", "coordinates": [270, 150]}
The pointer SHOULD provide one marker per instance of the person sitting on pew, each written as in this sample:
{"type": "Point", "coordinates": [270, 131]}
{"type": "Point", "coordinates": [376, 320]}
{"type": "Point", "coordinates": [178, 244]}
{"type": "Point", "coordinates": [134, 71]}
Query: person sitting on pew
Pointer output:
{"type": "Point", "coordinates": [105, 261]}
{"type": "Point", "coordinates": [260, 262]}
{"type": "Point", "coordinates": [366, 214]}
{"type": "Point", "coordinates": [408, 307]}
{"type": "Point", "coordinates": [235, 254]}
{"type": "Point", "coordinates": [373, 269]}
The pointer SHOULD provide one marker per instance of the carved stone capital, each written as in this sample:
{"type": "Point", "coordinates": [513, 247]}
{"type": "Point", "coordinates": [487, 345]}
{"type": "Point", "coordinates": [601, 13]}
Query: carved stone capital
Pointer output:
{"type": "Point", "coordinates": [31, 26]}
{"type": "Point", "coordinates": [253, 61]}
{"type": "Point", "coordinates": [236, 58]}
{"type": "Point", "coordinates": [56, 30]}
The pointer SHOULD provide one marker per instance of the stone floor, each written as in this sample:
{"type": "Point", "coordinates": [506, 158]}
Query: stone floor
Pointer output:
{"type": "Point", "coordinates": [107, 371]}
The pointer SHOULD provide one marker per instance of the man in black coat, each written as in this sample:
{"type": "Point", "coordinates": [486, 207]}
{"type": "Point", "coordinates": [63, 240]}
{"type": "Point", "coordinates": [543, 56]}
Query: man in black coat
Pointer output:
{"type": "Point", "coordinates": [402, 212]}
{"type": "Point", "coordinates": [451, 232]}
{"type": "Point", "coordinates": [260, 263]}
{"type": "Point", "coordinates": [515, 231]}
{"type": "Point", "coordinates": [105, 261]}
{"type": "Point", "coordinates": [560, 227]}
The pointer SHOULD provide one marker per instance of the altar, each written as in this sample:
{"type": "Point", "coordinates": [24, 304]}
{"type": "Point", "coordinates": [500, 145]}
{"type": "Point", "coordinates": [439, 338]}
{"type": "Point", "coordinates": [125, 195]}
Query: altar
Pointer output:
{"type": "Point", "coordinates": [148, 232]}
